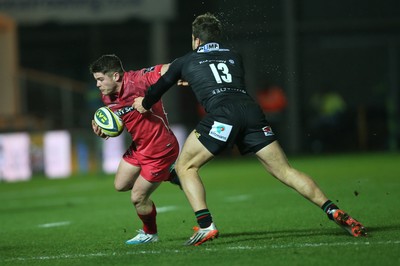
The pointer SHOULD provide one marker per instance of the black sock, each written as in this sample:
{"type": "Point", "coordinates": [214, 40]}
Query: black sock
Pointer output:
{"type": "Point", "coordinates": [329, 208]}
{"type": "Point", "coordinates": [204, 218]}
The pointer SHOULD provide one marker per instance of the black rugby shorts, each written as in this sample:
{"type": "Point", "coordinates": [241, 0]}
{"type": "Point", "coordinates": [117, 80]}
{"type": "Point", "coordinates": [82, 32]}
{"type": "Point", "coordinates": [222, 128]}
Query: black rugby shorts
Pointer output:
{"type": "Point", "coordinates": [238, 122]}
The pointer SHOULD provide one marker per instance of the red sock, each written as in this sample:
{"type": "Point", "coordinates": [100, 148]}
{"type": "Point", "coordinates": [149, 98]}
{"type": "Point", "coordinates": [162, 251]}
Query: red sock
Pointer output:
{"type": "Point", "coordinates": [149, 221]}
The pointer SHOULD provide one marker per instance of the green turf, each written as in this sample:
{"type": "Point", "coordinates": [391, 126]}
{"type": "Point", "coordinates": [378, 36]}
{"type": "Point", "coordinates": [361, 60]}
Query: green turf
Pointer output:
{"type": "Point", "coordinates": [261, 221]}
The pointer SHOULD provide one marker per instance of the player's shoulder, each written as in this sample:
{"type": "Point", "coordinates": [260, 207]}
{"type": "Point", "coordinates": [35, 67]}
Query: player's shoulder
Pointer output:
{"type": "Point", "coordinates": [143, 71]}
{"type": "Point", "coordinates": [151, 70]}
{"type": "Point", "coordinates": [180, 62]}
{"type": "Point", "coordinates": [130, 74]}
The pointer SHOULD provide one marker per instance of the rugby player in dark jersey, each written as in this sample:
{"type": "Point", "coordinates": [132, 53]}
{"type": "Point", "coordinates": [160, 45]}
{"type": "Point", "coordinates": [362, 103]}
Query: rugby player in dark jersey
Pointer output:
{"type": "Point", "coordinates": [216, 76]}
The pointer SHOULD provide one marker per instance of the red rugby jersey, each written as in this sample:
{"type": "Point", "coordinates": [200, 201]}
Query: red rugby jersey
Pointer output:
{"type": "Point", "coordinates": [150, 131]}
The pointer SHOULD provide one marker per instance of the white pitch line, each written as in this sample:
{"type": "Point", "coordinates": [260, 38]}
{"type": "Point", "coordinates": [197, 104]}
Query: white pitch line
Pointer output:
{"type": "Point", "coordinates": [166, 209]}
{"type": "Point", "coordinates": [238, 198]}
{"type": "Point", "coordinates": [139, 252]}
{"type": "Point", "coordinates": [54, 224]}
{"type": "Point", "coordinates": [316, 245]}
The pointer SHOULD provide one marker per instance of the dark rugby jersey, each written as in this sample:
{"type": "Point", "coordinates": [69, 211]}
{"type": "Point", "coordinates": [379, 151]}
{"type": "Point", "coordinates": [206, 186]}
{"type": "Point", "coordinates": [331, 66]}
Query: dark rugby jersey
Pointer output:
{"type": "Point", "coordinates": [214, 72]}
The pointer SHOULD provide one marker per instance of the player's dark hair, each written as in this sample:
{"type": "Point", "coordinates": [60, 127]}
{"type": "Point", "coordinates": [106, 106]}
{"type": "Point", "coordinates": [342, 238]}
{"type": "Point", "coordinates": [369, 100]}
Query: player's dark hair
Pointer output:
{"type": "Point", "coordinates": [109, 63]}
{"type": "Point", "coordinates": [207, 28]}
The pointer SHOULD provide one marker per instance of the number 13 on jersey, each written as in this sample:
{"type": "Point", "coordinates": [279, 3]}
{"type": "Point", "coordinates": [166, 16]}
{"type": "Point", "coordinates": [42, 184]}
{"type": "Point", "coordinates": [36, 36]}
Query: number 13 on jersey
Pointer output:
{"type": "Point", "coordinates": [221, 73]}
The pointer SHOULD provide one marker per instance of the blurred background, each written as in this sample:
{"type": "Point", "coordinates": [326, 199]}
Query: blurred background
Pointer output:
{"type": "Point", "coordinates": [326, 73]}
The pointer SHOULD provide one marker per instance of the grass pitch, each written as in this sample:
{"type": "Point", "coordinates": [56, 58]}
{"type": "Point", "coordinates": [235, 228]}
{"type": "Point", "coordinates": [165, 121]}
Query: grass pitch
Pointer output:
{"type": "Point", "coordinates": [83, 221]}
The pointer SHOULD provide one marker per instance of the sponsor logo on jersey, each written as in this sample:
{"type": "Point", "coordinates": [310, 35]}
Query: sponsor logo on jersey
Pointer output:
{"type": "Point", "coordinates": [149, 69]}
{"type": "Point", "coordinates": [210, 47]}
{"type": "Point", "coordinates": [220, 131]}
{"type": "Point", "coordinates": [221, 90]}
{"type": "Point", "coordinates": [268, 131]}
{"type": "Point", "coordinates": [124, 110]}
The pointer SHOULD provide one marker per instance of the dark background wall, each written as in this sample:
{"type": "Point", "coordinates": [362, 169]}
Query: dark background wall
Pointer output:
{"type": "Point", "coordinates": [351, 48]}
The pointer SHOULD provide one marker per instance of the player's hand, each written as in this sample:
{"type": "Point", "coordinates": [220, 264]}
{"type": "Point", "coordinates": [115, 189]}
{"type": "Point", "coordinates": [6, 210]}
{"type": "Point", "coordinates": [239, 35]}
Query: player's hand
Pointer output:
{"type": "Point", "coordinates": [182, 82]}
{"type": "Point", "coordinates": [137, 104]}
{"type": "Point", "coordinates": [97, 130]}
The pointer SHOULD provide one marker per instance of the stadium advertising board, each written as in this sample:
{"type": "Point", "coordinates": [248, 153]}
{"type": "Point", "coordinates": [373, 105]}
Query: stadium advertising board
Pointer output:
{"type": "Point", "coordinates": [57, 154]}
{"type": "Point", "coordinates": [14, 157]}
{"type": "Point", "coordinates": [113, 149]}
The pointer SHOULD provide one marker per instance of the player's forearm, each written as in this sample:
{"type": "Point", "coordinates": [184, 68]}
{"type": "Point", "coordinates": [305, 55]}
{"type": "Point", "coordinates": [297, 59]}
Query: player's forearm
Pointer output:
{"type": "Point", "coordinates": [154, 93]}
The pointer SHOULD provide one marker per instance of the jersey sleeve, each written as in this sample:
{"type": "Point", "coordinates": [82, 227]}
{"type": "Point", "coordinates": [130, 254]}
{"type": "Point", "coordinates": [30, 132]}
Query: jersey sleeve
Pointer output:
{"type": "Point", "coordinates": [151, 74]}
{"type": "Point", "coordinates": [154, 93]}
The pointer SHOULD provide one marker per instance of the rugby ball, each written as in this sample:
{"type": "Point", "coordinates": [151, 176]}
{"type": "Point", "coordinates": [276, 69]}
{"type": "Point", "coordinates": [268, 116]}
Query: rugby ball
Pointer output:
{"type": "Point", "coordinates": [110, 123]}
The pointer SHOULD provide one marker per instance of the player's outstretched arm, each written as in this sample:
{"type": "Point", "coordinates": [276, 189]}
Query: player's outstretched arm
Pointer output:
{"type": "Point", "coordinates": [164, 69]}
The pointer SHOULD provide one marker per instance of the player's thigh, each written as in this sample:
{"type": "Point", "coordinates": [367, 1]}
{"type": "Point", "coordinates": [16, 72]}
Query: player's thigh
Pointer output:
{"type": "Point", "coordinates": [158, 169]}
{"type": "Point", "coordinates": [193, 154]}
{"type": "Point", "coordinates": [126, 176]}
{"type": "Point", "coordinates": [274, 159]}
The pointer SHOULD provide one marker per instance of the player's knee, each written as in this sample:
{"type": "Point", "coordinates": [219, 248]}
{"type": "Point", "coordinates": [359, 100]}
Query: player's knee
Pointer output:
{"type": "Point", "coordinates": [180, 169]}
{"type": "Point", "coordinates": [121, 187]}
{"type": "Point", "coordinates": [137, 199]}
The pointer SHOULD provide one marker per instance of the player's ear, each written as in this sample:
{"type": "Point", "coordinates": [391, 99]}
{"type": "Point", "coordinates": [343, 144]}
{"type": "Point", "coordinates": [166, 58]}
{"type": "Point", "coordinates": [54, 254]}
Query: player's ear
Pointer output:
{"type": "Point", "coordinates": [116, 76]}
{"type": "Point", "coordinates": [195, 42]}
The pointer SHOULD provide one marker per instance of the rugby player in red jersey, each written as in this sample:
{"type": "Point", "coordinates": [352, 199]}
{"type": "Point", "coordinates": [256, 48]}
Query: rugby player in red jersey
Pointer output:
{"type": "Point", "coordinates": [154, 147]}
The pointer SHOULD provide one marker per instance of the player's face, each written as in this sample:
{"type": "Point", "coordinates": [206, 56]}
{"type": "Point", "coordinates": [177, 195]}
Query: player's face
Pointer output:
{"type": "Point", "coordinates": [106, 83]}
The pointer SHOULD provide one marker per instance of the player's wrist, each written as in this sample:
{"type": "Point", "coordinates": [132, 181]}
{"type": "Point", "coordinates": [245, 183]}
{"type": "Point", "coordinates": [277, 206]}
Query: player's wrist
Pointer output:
{"type": "Point", "coordinates": [145, 104]}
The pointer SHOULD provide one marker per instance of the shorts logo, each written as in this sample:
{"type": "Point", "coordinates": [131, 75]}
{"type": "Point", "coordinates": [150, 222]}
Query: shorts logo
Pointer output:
{"type": "Point", "coordinates": [220, 131]}
{"type": "Point", "coordinates": [268, 131]}
{"type": "Point", "coordinates": [154, 174]}
{"type": "Point", "coordinates": [197, 134]}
